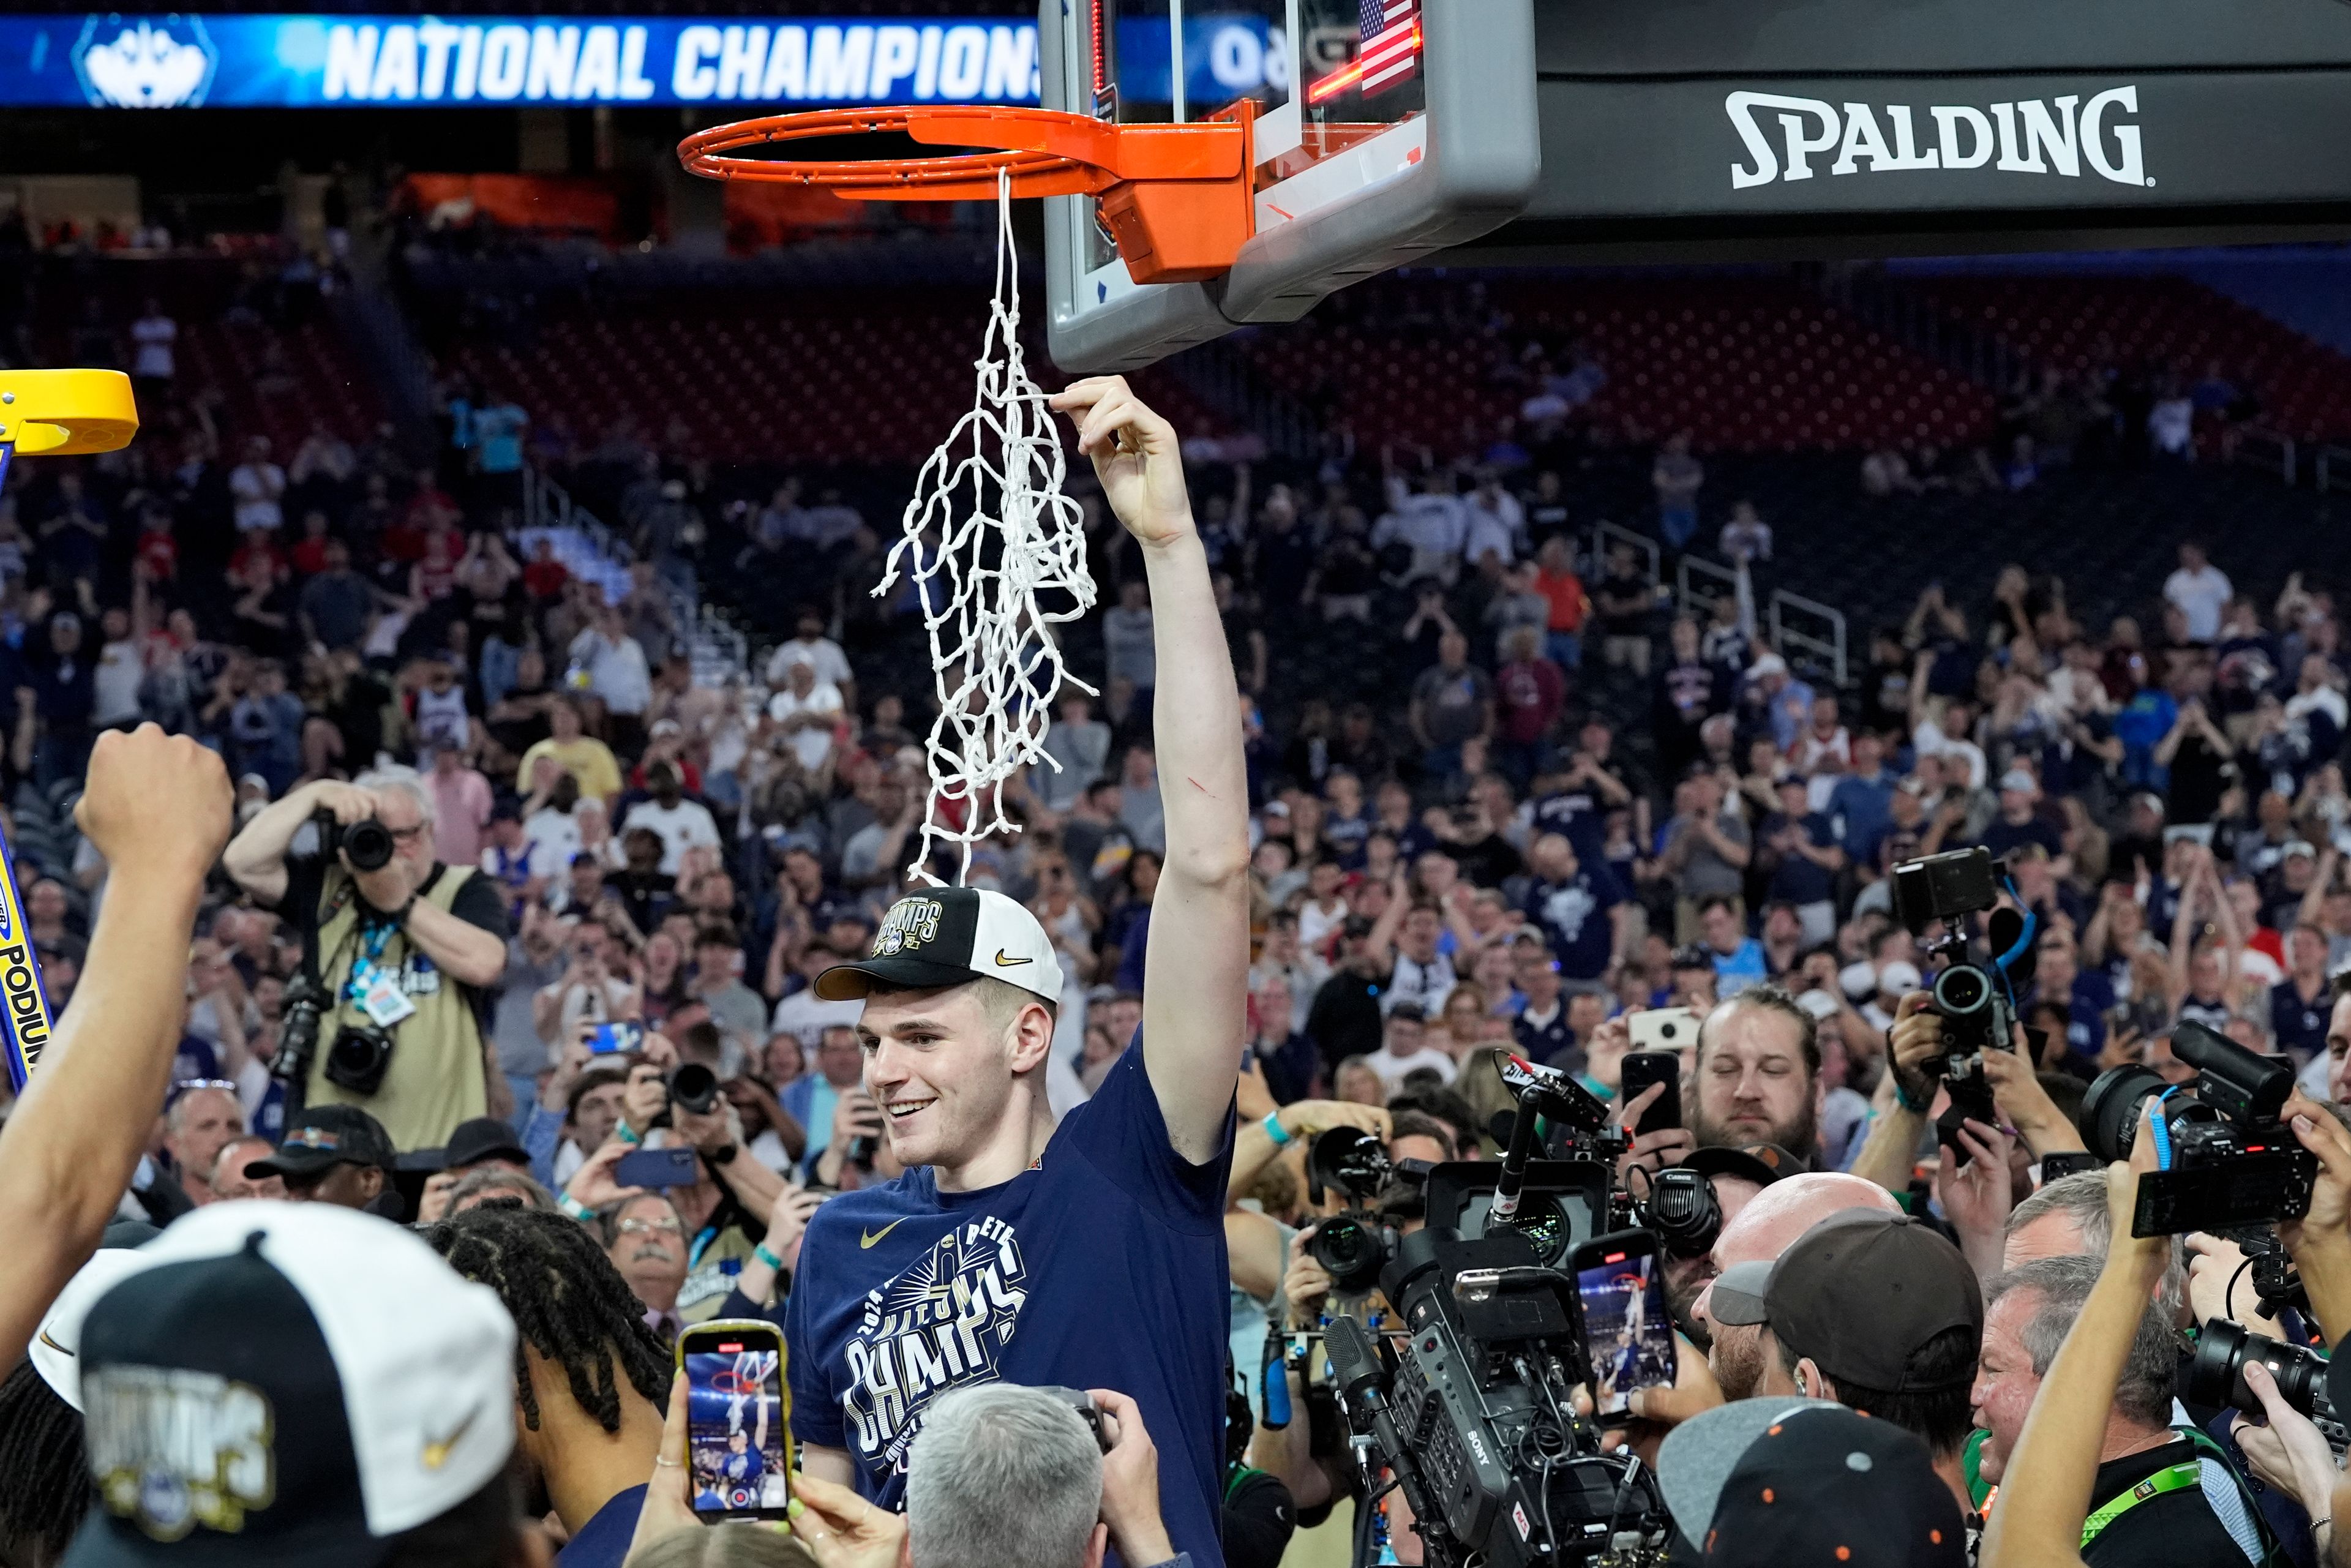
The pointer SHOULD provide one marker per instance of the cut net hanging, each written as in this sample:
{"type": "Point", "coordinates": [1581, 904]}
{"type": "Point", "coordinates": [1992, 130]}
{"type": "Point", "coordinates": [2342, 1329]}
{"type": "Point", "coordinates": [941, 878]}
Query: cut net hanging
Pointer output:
{"type": "Point", "coordinates": [992, 584]}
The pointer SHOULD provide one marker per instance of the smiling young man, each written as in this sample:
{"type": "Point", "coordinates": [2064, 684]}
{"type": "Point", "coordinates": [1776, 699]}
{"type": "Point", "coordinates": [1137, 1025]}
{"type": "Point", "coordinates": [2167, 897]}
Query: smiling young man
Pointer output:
{"type": "Point", "coordinates": [1089, 1255]}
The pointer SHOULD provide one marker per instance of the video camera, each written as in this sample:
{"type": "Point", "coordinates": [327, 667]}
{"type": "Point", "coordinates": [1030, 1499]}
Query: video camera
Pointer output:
{"type": "Point", "coordinates": [1502, 1296]}
{"type": "Point", "coordinates": [2225, 1157]}
{"type": "Point", "coordinates": [1976, 1001]}
{"type": "Point", "coordinates": [1355, 1244]}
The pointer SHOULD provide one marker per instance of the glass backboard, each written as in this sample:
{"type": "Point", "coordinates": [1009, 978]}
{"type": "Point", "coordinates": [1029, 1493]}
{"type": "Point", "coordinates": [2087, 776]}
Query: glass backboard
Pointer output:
{"type": "Point", "coordinates": [1346, 182]}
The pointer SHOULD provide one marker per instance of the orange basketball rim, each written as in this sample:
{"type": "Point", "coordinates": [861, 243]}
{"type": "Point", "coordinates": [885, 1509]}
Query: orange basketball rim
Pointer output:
{"type": "Point", "coordinates": [1175, 197]}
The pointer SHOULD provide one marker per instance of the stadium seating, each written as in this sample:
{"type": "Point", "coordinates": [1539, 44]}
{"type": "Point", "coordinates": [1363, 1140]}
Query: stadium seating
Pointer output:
{"type": "Point", "coordinates": [2087, 323]}
{"type": "Point", "coordinates": [837, 376]}
{"type": "Point", "coordinates": [1747, 364]}
{"type": "Point", "coordinates": [273, 354]}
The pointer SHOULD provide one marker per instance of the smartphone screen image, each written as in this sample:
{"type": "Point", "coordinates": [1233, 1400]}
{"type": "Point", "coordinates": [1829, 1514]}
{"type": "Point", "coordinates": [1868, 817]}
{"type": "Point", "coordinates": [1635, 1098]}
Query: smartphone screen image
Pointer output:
{"type": "Point", "coordinates": [735, 1423]}
{"type": "Point", "coordinates": [1626, 1329]}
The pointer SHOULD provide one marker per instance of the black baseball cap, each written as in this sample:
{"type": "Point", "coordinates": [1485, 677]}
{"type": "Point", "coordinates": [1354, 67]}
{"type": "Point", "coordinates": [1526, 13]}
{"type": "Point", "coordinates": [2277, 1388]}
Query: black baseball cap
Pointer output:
{"type": "Point", "coordinates": [288, 1384]}
{"type": "Point", "coordinates": [483, 1138]}
{"type": "Point", "coordinates": [1761, 1164]}
{"type": "Point", "coordinates": [328, 1135]}
{"type": "Point", "coordinates": [1863, 1292]}
{"type": "Point", "coordinates": [1771, 1482]}
{"type": "Point", "coordinates": [948, 937]}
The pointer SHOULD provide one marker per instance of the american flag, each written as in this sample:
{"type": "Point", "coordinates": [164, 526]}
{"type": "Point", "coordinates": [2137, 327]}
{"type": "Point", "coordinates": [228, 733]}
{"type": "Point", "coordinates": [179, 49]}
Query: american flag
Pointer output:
{"type": "Point", "coordinates": [1390, 47]}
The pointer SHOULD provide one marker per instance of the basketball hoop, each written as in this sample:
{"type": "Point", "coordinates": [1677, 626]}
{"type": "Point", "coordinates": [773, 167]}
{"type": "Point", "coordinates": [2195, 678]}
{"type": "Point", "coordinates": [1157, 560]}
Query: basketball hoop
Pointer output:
{"type": "Point", "coordinates": [994, 552]}
{"type": "Point", "coordinates": [1176, 197]}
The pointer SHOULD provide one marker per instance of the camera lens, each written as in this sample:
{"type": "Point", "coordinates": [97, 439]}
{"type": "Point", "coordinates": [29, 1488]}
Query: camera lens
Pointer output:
{"type": "Point", "coordinates": [1961, 989]}
{"type": "Point", "coordinates": [359, 1058]}
{"type": "Point", "coordinates": [694, 1087]}
{"type": "Point", "coordinates": [2110, 1110]}
{"type": "Point", "coordinates": [1350, 1250]}
{"type": "Point", "coordinates": [368, 845]}
{"type": "Point", "coordinates": [2217, 1374]}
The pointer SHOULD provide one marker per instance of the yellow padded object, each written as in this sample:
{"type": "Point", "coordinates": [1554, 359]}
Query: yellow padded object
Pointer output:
{"type": "Point", "coordinates": [66, 413]}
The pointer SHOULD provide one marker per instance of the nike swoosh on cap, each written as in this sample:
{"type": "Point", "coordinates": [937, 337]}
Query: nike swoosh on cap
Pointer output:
{"type": "Point", "coordinates": [868, 1237]}
{"type": "Point", "coordinates": [437, 1449]}
{"type": "Point", "coordinates": [1005, 961]}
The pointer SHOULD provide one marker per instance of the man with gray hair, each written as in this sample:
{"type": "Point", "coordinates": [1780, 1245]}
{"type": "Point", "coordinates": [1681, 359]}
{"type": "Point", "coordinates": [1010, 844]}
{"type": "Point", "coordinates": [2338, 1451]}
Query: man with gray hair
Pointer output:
{"type": "Point", "coordinates": [1003, 1476]}
{"type": "Point", "coordinates": [2069, 1219]}
{"type": "Point", "coordinates": [406, 951]}
{"type": "Point", "coordinates": [2164, 1495]}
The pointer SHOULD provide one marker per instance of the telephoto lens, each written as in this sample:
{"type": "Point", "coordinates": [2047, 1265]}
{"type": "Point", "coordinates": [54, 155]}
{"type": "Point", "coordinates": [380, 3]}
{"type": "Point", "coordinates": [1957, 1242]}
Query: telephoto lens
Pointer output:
{"type": "Point", "coordinates": [2216, 1375]}
{"type": "Point", "coordinates": [694, 1087]}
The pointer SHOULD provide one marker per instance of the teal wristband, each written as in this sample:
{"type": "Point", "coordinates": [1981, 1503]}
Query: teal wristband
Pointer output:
{"type": "Point", "coordinates": [575, 1209]}
{"type": "Point", "coordinates": [1276, 1130]}
{"type": "Point", "coordinates": [769, 1258]}
{"type": "Point", "coordinates": [1902, 1097]}
{"type": "Point", "coordinates": [621, 1131]}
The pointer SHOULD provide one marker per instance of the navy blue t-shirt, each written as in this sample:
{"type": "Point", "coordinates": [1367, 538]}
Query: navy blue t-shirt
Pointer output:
{"type": "Point", "coordinates": [1574, 917]}
{"type": "Point", "coordinates": [1101, 1266]}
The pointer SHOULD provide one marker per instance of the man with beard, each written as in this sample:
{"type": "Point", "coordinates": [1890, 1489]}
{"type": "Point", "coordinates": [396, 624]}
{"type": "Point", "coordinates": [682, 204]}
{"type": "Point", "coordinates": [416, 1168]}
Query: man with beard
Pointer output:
{"type": "Point", "coordinates": [646, 1242]}
{"type": "Point", "coordinates": [1744, 1253]}
{"type": "Point", "coordinates": [1759, 1062]}
{"type": "Point", "coordinates": [591, 1377]}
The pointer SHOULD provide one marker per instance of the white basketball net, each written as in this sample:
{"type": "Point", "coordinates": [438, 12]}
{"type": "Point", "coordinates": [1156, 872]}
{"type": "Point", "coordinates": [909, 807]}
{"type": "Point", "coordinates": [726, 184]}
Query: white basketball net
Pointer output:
{"type": "Point", "coordinates": [994, 660]}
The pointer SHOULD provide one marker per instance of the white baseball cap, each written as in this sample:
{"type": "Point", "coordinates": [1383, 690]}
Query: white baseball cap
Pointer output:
{"type": "Point", "coordinates": [949, 936]}
{"type": "Point", "coordinates": [56, 1351]}
{"type": "Point", "coordinates": [286, 1383]}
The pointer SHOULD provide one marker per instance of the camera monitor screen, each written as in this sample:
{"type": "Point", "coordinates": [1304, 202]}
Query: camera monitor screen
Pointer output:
{"type": "Point", "coordinates": [735, 1427]}
{"type": "Point", "coordinates": [1625, 1326]}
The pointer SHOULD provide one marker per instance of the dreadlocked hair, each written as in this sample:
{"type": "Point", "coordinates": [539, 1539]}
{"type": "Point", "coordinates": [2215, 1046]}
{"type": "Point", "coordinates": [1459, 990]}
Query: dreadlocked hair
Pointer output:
{"type": "Point", "coordinates": [568, 1303]}
{"type": "Point", "coordinates": [44, 1472]}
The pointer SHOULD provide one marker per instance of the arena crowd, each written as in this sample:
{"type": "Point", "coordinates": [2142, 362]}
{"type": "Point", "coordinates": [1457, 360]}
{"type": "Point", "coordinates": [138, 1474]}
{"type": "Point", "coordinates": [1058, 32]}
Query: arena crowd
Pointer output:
{"type": "Point", "coordinates": [613, 893]}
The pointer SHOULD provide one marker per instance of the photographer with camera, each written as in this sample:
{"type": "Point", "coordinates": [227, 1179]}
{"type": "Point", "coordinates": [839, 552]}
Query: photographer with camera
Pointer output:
{"type": "Point", "coordinates": [1340, 1254]}
{"type": "Point", "coordinates": [399, 953]}
{"type": "Point", "coordinates": [727, 1210]}
{"type": "Point", "coordinates": [2075, 1385]}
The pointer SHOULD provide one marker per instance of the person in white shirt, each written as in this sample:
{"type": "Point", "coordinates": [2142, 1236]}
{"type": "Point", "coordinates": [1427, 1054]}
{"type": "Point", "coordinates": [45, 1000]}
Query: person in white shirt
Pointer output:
{"type": "Point", "coordinates": [114, 689]}
{"type": "Point", "coordinates": [258, 487]}
{"type": "Point", "coordinates": [1432, 524]}
{"type": "Point", "coordinates": [810, 646]}
{"type": "Point", "coordinates": [552, 831]}
{"type": "Point", "coordinates": [616, 672]}
{"type": "Point", "coordinates": [2201, 591]}
{"type": "Point", "coordinates": [681, 823]}
{"type": "Point", "coordinates": [1747, 537]}
{"type": "Point", "coordinates": [1402, 1050]}
{"type": "Point", "coordinates": [1495, 524]}
{"type": "Point", "coordinates": [807, 708]}
{"type": "Point", "coordinates": [154, 335]}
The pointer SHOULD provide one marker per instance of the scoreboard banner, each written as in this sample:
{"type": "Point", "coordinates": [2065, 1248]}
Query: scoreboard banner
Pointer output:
{"type": "Point", "coordinates": [184, 60]}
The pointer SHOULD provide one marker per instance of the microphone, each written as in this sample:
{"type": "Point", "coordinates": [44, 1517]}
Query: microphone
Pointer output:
{"type": "Point", "coordinates": [1513, 1176]}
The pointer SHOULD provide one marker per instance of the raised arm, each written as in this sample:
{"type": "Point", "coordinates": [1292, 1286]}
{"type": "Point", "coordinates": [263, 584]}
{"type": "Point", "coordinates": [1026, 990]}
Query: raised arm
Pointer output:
{"type": "Point", "coordinates": [157, 810]}
{"type": "Point", "coordinates": [1196, 971]}
{"type": "Point", "coordinates": [2047, 1495]}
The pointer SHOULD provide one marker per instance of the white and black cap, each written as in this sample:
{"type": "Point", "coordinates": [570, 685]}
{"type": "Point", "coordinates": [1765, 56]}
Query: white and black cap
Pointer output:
{"type": "Point", "coordinates": [949, 936]}
{"type": "Point", "coordinates": [286, 1383]}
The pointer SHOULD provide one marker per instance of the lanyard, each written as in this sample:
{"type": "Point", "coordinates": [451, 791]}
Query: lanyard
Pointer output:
{"type": "Point", "coordinates": [2175, 1478]}
{"type": "Point", "coordinates": [372, 939]}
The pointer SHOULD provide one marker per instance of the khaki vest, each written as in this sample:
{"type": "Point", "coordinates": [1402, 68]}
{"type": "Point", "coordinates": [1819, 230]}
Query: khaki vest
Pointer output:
{"type": "Point", "coordinates": [435, 1078]}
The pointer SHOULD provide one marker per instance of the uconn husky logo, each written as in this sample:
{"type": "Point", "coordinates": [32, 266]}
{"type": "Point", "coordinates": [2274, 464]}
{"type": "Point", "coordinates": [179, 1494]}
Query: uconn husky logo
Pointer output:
{"type": "Point", "coordinates": [2067, 137]}
{"type": "Point", "coordinates": [144, 62]}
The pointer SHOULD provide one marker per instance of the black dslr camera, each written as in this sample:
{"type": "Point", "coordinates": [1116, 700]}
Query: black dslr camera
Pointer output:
{"type": "Point", "coordinates": [367, 843]}
{"type": "Point", "coordinates": [1976, 1001]}
{"type": "Point", "coordinates": [1355, 1243]}
{"type": "Point", "coordinates": [2217, 1376]}
{"type": "Point", "coordinates": [2227, 1159]}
